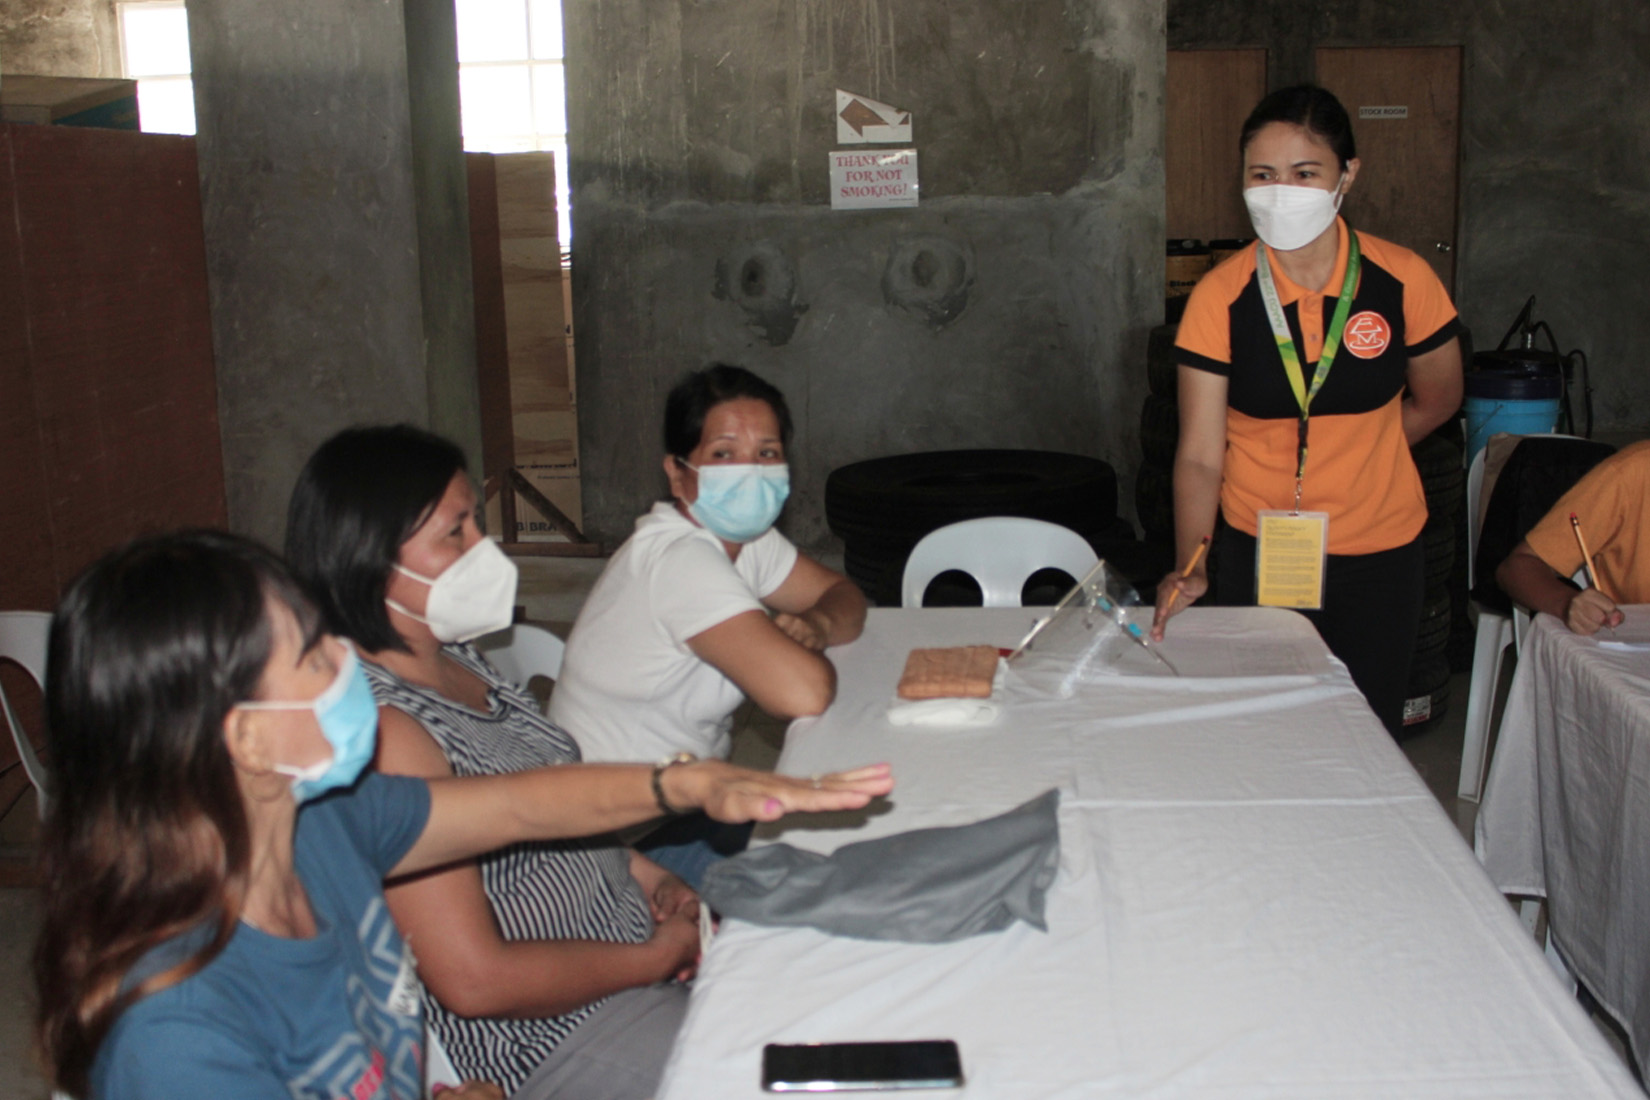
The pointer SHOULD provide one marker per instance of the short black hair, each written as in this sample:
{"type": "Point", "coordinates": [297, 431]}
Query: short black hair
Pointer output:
{"type": "Point", "coordinates": [360, 496]}
{"type": "Point", "coordinates": [692, 398]}
{"type": "Point", "coordinates": [1314, 109]}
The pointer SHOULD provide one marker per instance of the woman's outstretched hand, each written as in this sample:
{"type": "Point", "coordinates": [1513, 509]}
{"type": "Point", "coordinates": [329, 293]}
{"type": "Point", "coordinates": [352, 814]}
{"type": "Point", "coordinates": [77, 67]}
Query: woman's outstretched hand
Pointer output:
{"type": "Point", "coordinates": [733, 794]}
{"type": "Point", "coordinates": [474, 814]}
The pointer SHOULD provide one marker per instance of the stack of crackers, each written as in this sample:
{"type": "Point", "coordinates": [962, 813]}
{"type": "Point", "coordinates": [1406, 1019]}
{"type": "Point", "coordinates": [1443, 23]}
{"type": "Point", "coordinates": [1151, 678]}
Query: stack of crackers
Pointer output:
{"type": "Point", "coordinates": [959, 672]}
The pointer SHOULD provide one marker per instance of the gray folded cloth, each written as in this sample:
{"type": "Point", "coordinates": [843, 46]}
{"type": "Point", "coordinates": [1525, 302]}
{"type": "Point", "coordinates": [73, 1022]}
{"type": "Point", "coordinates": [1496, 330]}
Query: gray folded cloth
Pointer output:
{"type": "Point", "coordinates": [924, 886]}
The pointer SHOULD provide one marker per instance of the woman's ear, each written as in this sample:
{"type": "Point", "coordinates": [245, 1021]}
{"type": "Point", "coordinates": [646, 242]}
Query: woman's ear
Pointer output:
{"type": "Point", "coordinates": [246, 739]}
{"type": "Point", "coordinates": [405, 591]}
{"type": "Point", "coordinates": [1349, 175]}
{"type": "Point", "coordinates": [684, 486]}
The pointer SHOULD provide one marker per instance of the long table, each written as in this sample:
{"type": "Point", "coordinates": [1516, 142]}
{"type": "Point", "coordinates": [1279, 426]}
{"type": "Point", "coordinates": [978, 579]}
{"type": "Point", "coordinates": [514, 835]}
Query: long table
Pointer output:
{"type": "Point", "coordinates": [1257, 897]}
{"type": "Point", "coordinates": [1566, 810]}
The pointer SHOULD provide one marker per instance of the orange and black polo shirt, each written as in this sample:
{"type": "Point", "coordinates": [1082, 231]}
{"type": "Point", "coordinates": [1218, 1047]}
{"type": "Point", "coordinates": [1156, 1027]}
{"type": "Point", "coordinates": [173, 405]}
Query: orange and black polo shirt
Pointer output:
{"type": "Point", "coordinates": [1358, 467]}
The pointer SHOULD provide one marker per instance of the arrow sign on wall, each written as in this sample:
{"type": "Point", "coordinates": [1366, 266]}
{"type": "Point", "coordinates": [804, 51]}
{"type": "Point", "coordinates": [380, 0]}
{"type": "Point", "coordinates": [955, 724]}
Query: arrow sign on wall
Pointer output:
{"type": "Point", "coordinates": [864, 121]}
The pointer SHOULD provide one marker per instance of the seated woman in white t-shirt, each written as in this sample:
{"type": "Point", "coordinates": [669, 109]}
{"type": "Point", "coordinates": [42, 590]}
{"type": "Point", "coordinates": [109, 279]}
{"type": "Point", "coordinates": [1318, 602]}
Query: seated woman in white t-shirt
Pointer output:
{"type": "Point", "coordinates": [705, 603]}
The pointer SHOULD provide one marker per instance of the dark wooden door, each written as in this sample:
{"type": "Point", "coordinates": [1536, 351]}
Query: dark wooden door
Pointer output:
{"type": "Point", "coordinates": [1405, 104]}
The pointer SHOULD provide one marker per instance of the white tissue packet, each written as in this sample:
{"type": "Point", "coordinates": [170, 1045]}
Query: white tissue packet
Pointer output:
{"type": "Point", "coordinates": [951, 711]}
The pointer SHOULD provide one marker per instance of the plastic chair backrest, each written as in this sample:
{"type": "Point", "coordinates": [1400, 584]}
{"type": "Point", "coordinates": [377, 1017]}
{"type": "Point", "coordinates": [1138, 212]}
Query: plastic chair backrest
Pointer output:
{"type": "Point", "coordinates": [1531, 482]}
{"type": "Point", "coordinates": [523, 651]}
{"type": "Point", "coordinates": [1475, 489]}
{"type": "Point", "coordinates": [23, 637]}
{"type": "Point", "coordinates": [1000, 552]}
{"type": "Point", "coordinates": [1475, 497]}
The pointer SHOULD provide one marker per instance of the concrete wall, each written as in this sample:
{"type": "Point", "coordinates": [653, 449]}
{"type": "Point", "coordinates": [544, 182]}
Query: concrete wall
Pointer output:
{"type": "Point", "coordinates": [698, 141]}
{"type": "Point", "coordinates": [1555, 157]}
{"type": "Point", "coordinates": [59, 38]}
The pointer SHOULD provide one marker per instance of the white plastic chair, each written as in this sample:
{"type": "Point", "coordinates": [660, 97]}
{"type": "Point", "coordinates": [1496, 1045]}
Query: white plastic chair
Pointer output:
{"type": "Point", "coordinates": [23, 639]}
{"type": "Point", "coordinates": [523, 651]}
{"type": "Point", "coordinates": [438, 1066]}
{"type": "Point", "coordinates": [1000, 552]}
{"type": "Point", "coordinates": [1495, 633]}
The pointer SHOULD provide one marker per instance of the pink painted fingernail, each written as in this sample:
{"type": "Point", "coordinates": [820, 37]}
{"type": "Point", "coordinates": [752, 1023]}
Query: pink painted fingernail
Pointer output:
{"type": "Point", "coordinates": [771, 806]}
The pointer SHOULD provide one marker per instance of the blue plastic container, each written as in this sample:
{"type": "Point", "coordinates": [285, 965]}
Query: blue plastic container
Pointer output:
{"type": "Point", "coordinates": [1508, 401]}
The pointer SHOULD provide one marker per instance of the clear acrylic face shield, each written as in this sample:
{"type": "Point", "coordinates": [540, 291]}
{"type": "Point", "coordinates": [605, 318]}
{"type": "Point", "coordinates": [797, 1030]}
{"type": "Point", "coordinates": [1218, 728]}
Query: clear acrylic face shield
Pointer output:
{"type": "Point", "coordinates": [1092, 632]}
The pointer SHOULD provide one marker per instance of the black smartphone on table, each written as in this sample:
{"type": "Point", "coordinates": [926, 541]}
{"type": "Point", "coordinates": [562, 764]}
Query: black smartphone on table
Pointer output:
{"type": "Point", "coordinates": [861, 1067]}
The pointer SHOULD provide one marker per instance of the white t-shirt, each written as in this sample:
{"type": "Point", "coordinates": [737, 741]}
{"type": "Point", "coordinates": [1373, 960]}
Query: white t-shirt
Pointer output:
{"type": "Point", "coordinates": [630, 688]}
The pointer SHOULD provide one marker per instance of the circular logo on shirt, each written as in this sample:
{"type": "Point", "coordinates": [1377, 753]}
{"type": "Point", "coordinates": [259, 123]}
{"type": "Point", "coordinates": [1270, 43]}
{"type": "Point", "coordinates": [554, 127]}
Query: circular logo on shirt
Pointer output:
{"type": "Point", "coordinates": [1367, 334]}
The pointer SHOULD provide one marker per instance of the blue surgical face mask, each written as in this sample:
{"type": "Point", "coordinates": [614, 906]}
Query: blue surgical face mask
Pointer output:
{"type": "Point", "coordinates": [348, 716]}
{"type": "Point", "coordinates": [739, 502]}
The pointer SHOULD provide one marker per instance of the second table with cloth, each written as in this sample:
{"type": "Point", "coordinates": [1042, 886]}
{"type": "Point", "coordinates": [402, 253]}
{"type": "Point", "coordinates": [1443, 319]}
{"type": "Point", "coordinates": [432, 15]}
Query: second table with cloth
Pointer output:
{"type": "Point", "coordinates": [1256, 895]}
{"type": "Point", "coordinates": [1566, 810]}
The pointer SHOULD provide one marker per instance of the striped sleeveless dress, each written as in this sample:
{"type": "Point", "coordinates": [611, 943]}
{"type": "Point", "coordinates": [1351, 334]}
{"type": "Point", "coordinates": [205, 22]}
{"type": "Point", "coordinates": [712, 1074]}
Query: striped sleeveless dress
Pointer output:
{"type": "Point", "coordinates": [546, 890]}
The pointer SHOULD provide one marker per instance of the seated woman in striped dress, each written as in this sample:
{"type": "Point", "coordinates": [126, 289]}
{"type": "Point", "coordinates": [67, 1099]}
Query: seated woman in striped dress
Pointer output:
{"type": "Point", "coordinates": [551, 968]}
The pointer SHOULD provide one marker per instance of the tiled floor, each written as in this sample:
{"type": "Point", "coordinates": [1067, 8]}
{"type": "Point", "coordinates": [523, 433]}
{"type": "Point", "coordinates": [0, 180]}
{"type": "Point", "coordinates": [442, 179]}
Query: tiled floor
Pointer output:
{"type": "Point", "coordinates": [552, 591]}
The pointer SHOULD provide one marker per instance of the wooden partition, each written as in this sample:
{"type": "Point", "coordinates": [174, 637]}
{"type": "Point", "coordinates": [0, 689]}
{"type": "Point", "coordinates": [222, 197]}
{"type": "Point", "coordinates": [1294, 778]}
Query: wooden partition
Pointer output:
{"type": "Point", "coordinates": [1210, 93]}
{"type": "Point", "coordinates": [108, 402]}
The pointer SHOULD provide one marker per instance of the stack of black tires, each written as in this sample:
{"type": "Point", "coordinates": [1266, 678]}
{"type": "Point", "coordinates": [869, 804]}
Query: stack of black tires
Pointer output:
{"type": "Point", "coordinates": [1438, 457]}
{"type": "Point", "coordinates": [1159, 436]}
{"type": "Point", "coordinates": [881, 507]}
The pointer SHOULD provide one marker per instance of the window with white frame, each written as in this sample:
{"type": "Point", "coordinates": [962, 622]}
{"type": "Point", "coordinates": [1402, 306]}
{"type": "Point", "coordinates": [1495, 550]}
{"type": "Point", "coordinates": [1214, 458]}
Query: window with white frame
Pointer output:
{"type": "Point", "coordinates": [154, 48]}
{"type": "Point", "coordinates": [511, 85]}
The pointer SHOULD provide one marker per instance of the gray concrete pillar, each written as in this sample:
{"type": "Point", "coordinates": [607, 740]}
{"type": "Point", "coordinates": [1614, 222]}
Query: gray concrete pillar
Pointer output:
{"type": "Point", "coordinates": [337, 233]}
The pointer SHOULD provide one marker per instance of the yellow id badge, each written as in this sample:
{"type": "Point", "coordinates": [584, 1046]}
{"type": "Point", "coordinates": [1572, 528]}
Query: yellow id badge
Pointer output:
{"type": "Point", "coordinates": [1290, 555]}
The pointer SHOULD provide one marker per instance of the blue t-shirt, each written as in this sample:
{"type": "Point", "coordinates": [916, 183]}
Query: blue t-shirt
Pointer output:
{"type": "Point", "coordinates": [328, 1018]}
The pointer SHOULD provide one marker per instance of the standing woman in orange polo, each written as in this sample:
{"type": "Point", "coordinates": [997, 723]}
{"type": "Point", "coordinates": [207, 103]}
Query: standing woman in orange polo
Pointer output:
{"type": "Point", "coordinates": [1308, 365]}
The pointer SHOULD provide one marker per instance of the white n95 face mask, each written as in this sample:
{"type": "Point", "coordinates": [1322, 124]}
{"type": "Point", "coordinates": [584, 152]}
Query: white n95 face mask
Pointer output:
{"type": "Point", "coordinates": [475, 595]}
{"type": "Point", "coordinates": [1287, 216]}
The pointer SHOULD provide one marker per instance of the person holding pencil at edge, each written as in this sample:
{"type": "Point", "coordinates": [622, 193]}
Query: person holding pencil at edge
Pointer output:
{"type": "Point", "coordinates": [1197, 558]}
{"type": "Point", "coordinates": [1309, 363]}
{"type": "Point", "coordinates": [1600, 526]}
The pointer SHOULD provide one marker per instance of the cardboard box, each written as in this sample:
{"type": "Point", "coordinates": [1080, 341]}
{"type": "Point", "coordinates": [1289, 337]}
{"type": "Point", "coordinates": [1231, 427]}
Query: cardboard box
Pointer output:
{"type": "Point", "coordinates": [543, 410]}
{"type": "Point", "coordinates": [558, 482]}
{"type": "Point", "coordinates": [69, 101]}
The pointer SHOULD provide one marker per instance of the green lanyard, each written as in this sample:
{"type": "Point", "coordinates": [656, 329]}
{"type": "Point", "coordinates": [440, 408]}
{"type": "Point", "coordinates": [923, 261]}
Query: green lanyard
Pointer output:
{"type": "Point", "coordinates": [1286, 341]}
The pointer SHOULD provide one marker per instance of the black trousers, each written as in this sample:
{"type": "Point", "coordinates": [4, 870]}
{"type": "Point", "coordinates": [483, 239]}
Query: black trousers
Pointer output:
{"type": "Point", "coordinates": [1371, 612]}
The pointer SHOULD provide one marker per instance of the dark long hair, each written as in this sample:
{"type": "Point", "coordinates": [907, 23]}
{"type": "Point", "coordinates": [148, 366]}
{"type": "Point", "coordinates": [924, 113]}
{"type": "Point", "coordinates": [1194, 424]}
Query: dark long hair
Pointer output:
{"type": "Point", "coordinates": [360, 496]}
{"type": "Point", "coordinates": [146, 836]}
{"type": "Point", "coordinates": [1314, 109]}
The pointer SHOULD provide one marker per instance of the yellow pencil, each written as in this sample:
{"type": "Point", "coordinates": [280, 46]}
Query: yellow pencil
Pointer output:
{"type": "Point", "coordinates": [1587, 558]}
{"type": "Point", "coordinates": [1197, 556]}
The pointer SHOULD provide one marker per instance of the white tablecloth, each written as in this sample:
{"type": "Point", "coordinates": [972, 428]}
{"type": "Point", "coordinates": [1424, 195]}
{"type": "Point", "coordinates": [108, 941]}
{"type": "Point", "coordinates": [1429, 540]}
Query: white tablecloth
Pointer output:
{"type": "Point", "coordinates": [1566, 811]}
{"type": "Point", "coordinates": [1257, 897]}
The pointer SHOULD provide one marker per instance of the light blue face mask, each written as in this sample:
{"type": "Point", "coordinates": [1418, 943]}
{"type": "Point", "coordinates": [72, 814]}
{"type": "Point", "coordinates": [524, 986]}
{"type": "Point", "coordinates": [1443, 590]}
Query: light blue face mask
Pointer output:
{"type": "Point", "coordinates": [739, 502]}
{"type": "Point", "coordinates": [348, 716]}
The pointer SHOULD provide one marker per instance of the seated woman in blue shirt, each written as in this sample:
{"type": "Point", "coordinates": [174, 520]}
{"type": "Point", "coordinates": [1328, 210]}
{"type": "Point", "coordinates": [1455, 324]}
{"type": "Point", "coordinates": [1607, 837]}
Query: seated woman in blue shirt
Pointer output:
{"type": "Point", "coordinates": [214, 918]}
